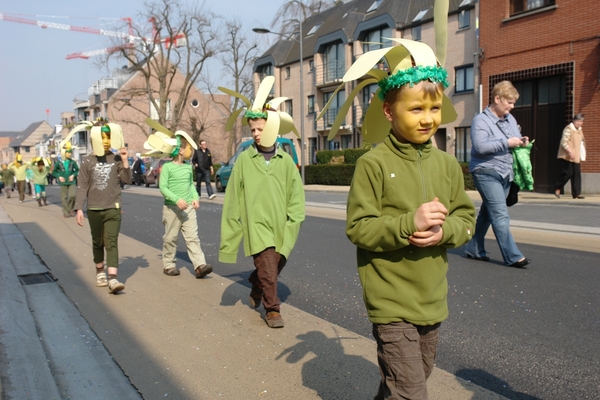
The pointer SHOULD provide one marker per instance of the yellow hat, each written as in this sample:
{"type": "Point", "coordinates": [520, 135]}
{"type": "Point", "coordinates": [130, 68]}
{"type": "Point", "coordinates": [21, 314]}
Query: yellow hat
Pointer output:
{"type": "Point", "coordinates": [278, 122]}
{"type": "Point", "coordinates": [164, 143]}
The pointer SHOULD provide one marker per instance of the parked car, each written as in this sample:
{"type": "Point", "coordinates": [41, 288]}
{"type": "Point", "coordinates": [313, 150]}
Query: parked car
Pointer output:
{"type": "Point", "coordinates": [152, 175]}
{"type": "Point", "coordinates": [223, 173]}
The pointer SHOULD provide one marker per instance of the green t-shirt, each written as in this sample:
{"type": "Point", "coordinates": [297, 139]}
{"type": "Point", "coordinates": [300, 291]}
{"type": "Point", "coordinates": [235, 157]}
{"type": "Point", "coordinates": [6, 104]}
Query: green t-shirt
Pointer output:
{"type": "Point", "coordinates": [177, 182]}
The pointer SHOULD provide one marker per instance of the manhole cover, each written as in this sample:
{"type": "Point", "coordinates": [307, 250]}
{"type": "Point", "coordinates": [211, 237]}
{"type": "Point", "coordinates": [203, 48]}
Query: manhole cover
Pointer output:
{"type": "Point", "coordinates": [33, 279]}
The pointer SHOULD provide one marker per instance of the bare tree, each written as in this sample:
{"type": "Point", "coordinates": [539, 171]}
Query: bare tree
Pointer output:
{"type": "Point", "coordinates": [299, 10]}
{"type": "Point", "coordinates": [170, 60]}
{"type": "Point", "coordinates": [239, 51]}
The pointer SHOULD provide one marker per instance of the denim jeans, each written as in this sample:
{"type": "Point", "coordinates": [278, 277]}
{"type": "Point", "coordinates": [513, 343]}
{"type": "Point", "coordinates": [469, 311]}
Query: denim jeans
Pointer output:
{"type": "Point", "coordinates": [203, 175]}
{"type": "Point", "coordinates": [493, 190]}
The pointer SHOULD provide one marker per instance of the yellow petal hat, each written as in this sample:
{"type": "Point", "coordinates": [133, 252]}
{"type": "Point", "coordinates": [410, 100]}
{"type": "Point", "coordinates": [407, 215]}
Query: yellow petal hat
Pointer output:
{"type": "Point", "coordinates": [409, 62]}
{"type": "Point", "coordinates": [164, 143]}
{"type": "Point", "coordinates": [116, 137]}
{"type": "Point", "coordinates": [278, 122]}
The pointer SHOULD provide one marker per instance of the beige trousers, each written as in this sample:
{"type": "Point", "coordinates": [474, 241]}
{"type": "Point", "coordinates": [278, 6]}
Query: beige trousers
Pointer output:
{"type": "Point", "coordinates": [184, 221]}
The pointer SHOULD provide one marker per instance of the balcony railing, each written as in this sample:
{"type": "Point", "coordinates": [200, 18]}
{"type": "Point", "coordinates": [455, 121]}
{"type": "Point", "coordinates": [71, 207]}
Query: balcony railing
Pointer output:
{"type": "Point", "coordinates": [330, 72]}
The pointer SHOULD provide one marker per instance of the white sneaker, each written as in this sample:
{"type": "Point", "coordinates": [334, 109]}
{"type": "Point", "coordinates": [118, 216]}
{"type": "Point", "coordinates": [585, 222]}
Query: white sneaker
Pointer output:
{"type": "Point", "coordinates": [212, 196]}
{"type": "Point", "coordinates": [114, 286]}
{"type": "Point", "coordinates": [101, 280]}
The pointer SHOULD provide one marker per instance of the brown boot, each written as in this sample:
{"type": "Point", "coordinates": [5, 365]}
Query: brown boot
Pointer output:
{"type": "Point", "coordinates": [45, 202]}
{"type": "Point", "coordinates": [39, 202]}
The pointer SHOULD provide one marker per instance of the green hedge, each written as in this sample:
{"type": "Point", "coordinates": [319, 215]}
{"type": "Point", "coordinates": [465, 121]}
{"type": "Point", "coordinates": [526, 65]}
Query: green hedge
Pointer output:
{"type": "Point", "coordinates": [469, 183]}
{"type": "Point", "coordinates": [325, 156]}
{"type": "Point", "coordinates": [330, 174]}
{"type": "Point", "coordinates": [352, 155]}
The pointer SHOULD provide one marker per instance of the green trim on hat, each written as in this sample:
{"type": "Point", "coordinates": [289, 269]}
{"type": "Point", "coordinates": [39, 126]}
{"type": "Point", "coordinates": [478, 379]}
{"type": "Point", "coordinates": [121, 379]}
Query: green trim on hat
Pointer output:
{"type": "Point", "coordinates": [412, 76]}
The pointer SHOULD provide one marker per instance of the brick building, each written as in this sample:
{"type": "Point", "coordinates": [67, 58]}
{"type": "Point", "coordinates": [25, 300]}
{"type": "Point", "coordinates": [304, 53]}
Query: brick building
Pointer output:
{"type": "Point", "coordinates": [331, 42]}
{"type": "Point", "coordinates": [550, 50]}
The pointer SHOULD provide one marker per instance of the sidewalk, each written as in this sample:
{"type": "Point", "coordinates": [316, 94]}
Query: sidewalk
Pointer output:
{"type": "Point", "coordinates": [190, 339]}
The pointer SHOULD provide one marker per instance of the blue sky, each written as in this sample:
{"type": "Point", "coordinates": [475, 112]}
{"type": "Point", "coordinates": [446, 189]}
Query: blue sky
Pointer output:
{"type": "Point", "coordinates": [34, 74]}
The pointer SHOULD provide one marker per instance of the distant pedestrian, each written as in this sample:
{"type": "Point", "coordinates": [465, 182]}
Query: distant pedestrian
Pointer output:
{"type": "Point", "coordinates": [66, 171]}
{"type": "Point", "coordinates": [493, 133]}
{"type": "Point", "coordinates": [264, 204]}
{"type": "Point", "coordinates": [181, 201]}
{"type": "Point", "coordinates": [8, 179]}
{"type": "Point", "coordinates": [29, 180]}
{"type": "Point", "coordinates": [202, 161]}
{"type": "Point", "coordinates": [20, 171]}
{"type": "Point", "coordinates": [570, 156]}
{"type": "Point", "coordinates": [99, 180]}
{"type": "Point", "coordinates": [137, 169]}
{"type": "Point", "coordinates": [40, 168]}
{"type": "Point", "coordinates": [406, 207]}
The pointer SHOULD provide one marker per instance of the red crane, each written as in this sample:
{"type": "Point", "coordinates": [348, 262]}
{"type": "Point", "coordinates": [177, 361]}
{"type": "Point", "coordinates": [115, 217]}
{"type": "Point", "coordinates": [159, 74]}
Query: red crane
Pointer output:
{"type": "Point", "coordinates": [132, 40]}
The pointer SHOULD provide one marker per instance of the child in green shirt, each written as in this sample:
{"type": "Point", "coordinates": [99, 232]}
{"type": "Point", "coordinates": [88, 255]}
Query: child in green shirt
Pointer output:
{"type": "Point", "coordinates": [181, 199]}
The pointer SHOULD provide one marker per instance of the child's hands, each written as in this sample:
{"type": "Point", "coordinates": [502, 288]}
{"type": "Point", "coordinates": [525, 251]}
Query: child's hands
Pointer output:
{"type": "Point", "coordinates": [430, 237]}
{"type": "Point", "coordinates": [79, 217]}
{"type": "Point", "coordinates": [195, 204]}
{"type": "Point", "coordinates": [124, 153]}
{"type": "Point", "coordinates": [182, 204]}
{"type": "Point", "coordinates": [430, 214]}
{"type": "Point", "coordinates": [61, 179]}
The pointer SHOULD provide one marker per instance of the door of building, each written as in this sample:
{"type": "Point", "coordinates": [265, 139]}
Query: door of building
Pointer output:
{"type": "Point", "coordinates": [540, 111]}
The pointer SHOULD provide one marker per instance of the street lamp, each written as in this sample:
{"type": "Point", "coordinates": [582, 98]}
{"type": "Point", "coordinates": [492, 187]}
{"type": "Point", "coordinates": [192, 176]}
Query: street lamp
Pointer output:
{"type": "Point", "coordinates": [263, 30]}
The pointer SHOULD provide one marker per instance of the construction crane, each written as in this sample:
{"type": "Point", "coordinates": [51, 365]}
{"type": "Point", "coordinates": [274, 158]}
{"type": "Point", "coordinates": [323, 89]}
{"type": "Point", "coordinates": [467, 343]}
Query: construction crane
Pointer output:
{"type": "Point", "coordinates": [132, 40]}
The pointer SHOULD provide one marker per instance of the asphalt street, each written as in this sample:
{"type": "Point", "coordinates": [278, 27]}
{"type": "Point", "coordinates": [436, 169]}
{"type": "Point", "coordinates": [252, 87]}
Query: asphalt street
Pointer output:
{"type": "Point", "coordinates": [524, 334]}
{"type": "Point", "coordinates": [505, 326]}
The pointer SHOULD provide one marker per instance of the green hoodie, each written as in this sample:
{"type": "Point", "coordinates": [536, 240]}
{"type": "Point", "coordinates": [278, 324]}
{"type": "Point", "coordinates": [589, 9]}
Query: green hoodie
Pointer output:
{"type": "Point", "coordinates": [264, 203]}
{"type": "Point", "coordinates": [402, 282]}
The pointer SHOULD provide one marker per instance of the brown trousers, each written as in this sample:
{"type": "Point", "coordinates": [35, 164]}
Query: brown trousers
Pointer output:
{"type": "Point", "coordinates": [406, 356]}
{"type": "Point", "coordinates": [268, 264]}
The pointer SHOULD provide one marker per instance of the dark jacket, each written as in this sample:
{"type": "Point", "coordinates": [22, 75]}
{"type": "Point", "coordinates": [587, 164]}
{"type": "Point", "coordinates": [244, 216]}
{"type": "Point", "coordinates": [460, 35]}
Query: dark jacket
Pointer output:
{"type": "Point", "coordinates": [202, 159]}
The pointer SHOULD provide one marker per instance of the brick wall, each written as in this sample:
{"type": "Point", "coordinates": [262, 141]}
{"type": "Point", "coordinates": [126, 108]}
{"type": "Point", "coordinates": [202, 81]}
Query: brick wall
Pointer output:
{"type": "Point", "coordinates": [565, 33]}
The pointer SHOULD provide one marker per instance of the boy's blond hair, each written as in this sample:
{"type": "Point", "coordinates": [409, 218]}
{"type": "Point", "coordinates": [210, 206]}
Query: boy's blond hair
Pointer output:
{"type": "Point", "coordinates": [431, 89]}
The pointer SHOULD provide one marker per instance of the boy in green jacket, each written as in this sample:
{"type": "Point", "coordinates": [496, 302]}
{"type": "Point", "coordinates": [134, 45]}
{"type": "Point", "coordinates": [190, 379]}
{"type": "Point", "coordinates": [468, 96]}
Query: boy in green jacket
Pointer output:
{"type": "Point", "coordinates": [407, 206]}
{"type": "Point", "coordinates": [264, 203]}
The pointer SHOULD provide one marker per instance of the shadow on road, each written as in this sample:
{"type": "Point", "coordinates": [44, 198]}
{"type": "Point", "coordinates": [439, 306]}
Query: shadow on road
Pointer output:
{"type": "Point", "coordinates": [493, 383]}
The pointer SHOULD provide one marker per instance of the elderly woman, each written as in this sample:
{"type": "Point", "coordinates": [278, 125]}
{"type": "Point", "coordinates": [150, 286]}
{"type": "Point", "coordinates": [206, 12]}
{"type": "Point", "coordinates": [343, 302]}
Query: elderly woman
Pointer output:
{"type": "Point", "coordinates": [493, 133]}
{"type": "Point", "coordinates": [570, 157]}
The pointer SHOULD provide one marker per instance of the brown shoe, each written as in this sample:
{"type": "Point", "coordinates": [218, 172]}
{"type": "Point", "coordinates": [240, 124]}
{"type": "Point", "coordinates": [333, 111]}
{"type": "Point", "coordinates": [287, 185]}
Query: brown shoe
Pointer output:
{"type": "Point", "coordinates": [255, 298]}
{"type": "Point", "coordinates": [171, 271]}
{"type": "Point", "coordinates": [203, 270]}
{"type": "Point", "coordinates": [274, 320]}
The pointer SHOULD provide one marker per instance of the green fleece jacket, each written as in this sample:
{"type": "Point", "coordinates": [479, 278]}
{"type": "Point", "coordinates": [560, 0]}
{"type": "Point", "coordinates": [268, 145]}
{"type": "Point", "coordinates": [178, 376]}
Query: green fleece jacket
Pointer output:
{"type": "Point", "coordinates": [177, 182]}
{"type": "Point", "coordinates": [264, 203]}
{"type": "Point", "coordinates": [402, 282]}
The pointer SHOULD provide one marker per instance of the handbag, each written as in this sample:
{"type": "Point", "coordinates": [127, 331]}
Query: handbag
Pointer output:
{"type": "Point", "coordinates": [513, 194]}
{"type": "Point", "coordinates": [582, 151]}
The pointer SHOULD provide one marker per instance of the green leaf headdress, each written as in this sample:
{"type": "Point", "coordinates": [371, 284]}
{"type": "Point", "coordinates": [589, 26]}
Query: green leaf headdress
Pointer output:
{"type": "Point", "coordinates": [410, 62]}
{"type": "Point", "coordinates": [278, 122]}
{"type": "Point", "coordinates": [164, 143]}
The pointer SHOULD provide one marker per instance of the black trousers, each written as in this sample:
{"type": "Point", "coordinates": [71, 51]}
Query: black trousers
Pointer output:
{"type": "Point", "coordinates": [572, 171]}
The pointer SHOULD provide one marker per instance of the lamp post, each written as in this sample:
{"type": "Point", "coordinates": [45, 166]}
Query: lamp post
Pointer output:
{"type": "Point", "coordinates": [263, 30]}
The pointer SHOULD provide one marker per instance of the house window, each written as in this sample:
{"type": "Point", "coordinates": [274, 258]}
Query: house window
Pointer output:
{"type": "Point", "coordinates": [368, 93]}
{"type": "Point", "coordinates": [334, 107]}
{"type": "Point", "coordinates": [311, 104]}
{"type": "Point", "coordinates": [416, 33]}
{"type": "Point", "coordinates": [287, 72]}
{"type": "Point", "coordinates": [311, 65]}
{"type": "Point", "coordinates": [464, 80]}
{"type": "Point", "coordinates": [374, 6]}
{"type": "Point", "coordinates": [346, 141]}
{"type": "Point", "coordinates": [335, 62]}
{"type": "Point", "coordinates": [463, 144]}
{"type": "Point", "coordinates": [464, 19]}
{"type": "Point", "coordinates": [154, 111]}
{"type": "Point", "coordinates": [27, 149]}
{"type": "Point", "coordinates": [519, 6]}
{"type": "Point", "coordinates": [265, 71]}
{"type": "Point", "coordinates": [313, 29]}
{"type": "Point", "coordinates": [289, 108]}
{"type": "Point", "coordinates": [374, 39]}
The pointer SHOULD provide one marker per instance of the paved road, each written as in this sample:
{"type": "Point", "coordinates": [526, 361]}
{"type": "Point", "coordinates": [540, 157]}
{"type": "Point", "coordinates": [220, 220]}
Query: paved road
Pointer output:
{"type": "Point", "coordinates": [507, 328]}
